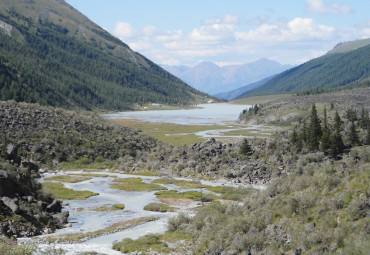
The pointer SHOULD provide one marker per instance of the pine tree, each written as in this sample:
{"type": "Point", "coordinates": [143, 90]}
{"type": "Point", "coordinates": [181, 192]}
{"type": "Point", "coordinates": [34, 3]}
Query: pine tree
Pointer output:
{"type": "Point", "coordinates": [245, 148]}
{"type": "Point", "coordinates": [336, 145]}
{"type": "Point", "coordinates": [337, 122]}
{"type": "Point", "coordinates": [353, 135]}
{"type": "Point", "coordinates": [314, 130]}
{"type": "Point", "coordinates": [325, 138]}
{"type": "Point", "coordinates": [304, 131]}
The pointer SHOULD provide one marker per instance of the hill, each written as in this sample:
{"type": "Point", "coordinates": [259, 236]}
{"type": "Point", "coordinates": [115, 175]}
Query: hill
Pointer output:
{"type": "Point", "coordinates": [345, 66]}
{"type": "Point", "coordinates": [53, 55]}
{"type": "Point", "coordinates": [213, 79]}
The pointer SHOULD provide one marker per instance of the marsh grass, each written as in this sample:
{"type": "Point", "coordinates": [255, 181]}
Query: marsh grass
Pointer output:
{"type": "Point", "coordinates": [142, 244]}
{"type": "Point", "coordinates": [172, 196]}
{"type": "Point", "coordinates": [118, 226]}
{"type": "Point", "coordinates": [180, 183]}
{"type": "Point", "coordinates": [159, 207]}
{"type": "Point", "coordinates": [61, 192]}
{"type": "Point", "coordinates": [115, 207]}
{"type": "Point", "coordinates": [67, 178]}
{"type": "Point", "coordinates": [135, 184]}
{"type": "Point", "coordinates": [174, 134]}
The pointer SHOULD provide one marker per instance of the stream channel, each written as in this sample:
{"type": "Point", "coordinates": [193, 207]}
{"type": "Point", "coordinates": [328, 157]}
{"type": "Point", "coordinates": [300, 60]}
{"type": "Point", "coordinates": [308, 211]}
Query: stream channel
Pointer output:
{"type": "Point", "coordinates": [84, 219]}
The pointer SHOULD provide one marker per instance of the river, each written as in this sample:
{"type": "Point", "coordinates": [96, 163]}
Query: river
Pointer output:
{"type": "Point", "coordinates": [84, 220]}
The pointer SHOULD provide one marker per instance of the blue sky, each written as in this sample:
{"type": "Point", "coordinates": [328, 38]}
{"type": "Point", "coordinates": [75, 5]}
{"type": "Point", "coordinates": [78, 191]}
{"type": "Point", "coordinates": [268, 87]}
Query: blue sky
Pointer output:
{"type": "Point", "coordinates": [187, 32]}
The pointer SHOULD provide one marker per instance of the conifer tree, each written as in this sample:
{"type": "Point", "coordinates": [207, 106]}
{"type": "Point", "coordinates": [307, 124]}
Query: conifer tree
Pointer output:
{"type": "Point", "coordinates": [336, 145]}
{"type": "Point", "coordinates": [304, 131]}
{"type": "Point", "coordinates": [353, 135]}
{"type": "Point", "coordinates": [314, 130]}
{"type": "Point", "coordinates": [337, 122]}
{"type": "Point", "coordinates": [245, 148]}
{"type": "Point", "coordinates": [325, 138]}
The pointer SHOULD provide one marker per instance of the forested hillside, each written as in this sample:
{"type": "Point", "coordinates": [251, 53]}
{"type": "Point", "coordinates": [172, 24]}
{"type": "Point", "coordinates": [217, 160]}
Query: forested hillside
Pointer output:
{"type": "Point", "coordinates": [339, 68]}
{"type": "Point", "coordinates": [53, 55]}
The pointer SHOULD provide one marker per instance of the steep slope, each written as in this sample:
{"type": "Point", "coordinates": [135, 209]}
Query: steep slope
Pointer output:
{"type": "Point", "coordinates": [53, 55]}
{"type": "Point", "coordinates": [212, 79]}
{"type": "Point", "coordinates": [346, 65]}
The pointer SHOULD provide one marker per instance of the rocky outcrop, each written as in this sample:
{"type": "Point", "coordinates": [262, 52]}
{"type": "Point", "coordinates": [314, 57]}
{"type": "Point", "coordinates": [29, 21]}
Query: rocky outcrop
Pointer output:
{"type": "Point", "coordinates": [24, 209]}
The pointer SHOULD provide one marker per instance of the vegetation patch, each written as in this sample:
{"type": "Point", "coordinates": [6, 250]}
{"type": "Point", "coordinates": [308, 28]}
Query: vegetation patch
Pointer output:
{"type": "Point", "coordinates": [143, 244]}
{"type": "Point", "coordinates": [170, 133]}
{"type": "Point", "coordinates": [118, 226]}
{"type": "Point", "coordinates": [180, 183]}
{"type": "Point", "coordinates": [135, 184]}
{"type": "Point", "coordinates": [172, 196]}
{"type": "Point", "coordinates": [61, 192]}
{"type": "Point", "coordinates": [232, 193]}
{"type": "Point", "coordinates": [115, 207]}
{"type": "Point", "coordinates": [159, 207]}
{"type": "Point", "coordinates": [67, 178]}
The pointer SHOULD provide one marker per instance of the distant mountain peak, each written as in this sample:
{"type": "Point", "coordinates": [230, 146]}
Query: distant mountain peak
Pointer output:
{"type": "Point", "coordinates": [211, 78]}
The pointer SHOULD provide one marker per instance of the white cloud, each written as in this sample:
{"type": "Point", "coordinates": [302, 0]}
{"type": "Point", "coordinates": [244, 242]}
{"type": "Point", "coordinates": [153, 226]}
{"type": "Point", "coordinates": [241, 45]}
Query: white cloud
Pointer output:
{"type": "Point", "coordinates": [149, 30]}
{"type": "Point", "coordinates": [295, 30]}
{"type": "Point", "coordinates": [215, 29]}
{"type": "Point", "coordinates": [123, 30]}
{"type": "Point", "coordinates": [327, 8]}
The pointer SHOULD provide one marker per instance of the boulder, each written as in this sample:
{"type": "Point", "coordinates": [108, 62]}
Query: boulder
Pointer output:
{"type": "Point", "coordinates": [54, 207]}
{"type": "Point", "coordinates": [11, 203]}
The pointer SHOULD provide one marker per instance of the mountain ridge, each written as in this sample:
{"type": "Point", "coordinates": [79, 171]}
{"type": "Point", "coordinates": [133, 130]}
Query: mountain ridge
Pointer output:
{"type": "Point", "coordinates": [213, 79]}
{"type": "Point", "coordinates": [345, 66]}
{"type": "Point", "coordinates": [63, 59]}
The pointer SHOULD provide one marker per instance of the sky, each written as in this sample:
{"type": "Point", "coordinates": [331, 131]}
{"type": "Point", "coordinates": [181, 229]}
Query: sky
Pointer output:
{"type": "Point", "coordinates": [227, 32]}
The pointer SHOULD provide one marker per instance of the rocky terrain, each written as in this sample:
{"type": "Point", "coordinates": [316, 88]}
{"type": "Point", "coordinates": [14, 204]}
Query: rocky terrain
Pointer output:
{"type": "Point", "coordinates": [25, 209]}
{"type": "Point", "coordinates": [35, 137]}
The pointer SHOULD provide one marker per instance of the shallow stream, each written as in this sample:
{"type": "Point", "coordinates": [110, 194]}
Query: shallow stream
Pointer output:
{"type": "Point", "coordinates": [83, 219]}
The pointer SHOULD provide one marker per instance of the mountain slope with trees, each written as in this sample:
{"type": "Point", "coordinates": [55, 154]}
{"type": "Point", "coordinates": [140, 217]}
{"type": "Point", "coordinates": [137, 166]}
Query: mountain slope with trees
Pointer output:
{"type": "Point", "coordinates": [53, 55]}
{"type": "Point", "coordinates": [346, 66]}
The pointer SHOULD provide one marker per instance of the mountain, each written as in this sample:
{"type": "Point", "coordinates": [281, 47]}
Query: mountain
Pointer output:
{"type": "Point", "coordinates": [230, 95]}
{"type": "Point", "coordinates": [213, 79]}
{"type": "Point", "coordinates": [347, 65]}
{"type": "Point", "coordinates": [51, 54]}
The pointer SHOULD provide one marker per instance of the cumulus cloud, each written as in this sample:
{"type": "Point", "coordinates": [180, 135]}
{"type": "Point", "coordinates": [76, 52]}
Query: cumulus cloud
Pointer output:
{"type": "Point", "coordinates": [294, 30]}
{"type": "Point", "coordinates": [215, 29]}
{"type": "Point", "coordinates": [319, 6]}
{"type": "Point", "coordinates": [123, 30]}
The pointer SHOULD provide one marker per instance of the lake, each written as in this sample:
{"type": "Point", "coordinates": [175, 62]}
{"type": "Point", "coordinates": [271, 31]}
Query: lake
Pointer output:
{"type": "Point", "coordinates": [206, 114]}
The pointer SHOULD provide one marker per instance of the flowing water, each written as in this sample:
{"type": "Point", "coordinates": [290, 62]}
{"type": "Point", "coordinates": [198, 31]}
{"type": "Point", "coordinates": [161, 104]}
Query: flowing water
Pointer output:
{"type": "Point", "coordinates": [83, 219]}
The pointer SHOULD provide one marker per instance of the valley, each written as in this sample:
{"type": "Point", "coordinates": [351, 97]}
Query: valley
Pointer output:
{"type": "Point", "coordinates": [103, 151]}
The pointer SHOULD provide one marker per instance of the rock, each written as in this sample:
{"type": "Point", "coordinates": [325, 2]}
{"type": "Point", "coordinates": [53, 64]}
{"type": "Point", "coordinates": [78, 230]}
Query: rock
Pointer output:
{"type": "Point", "coordinates": [11, 203]}
{"type": "Point", "coordinates": [54, 207]}
{"type": "Point", "coordinates": [11, 151]}
{"type": "Point", "coordinates": [62, 218]}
